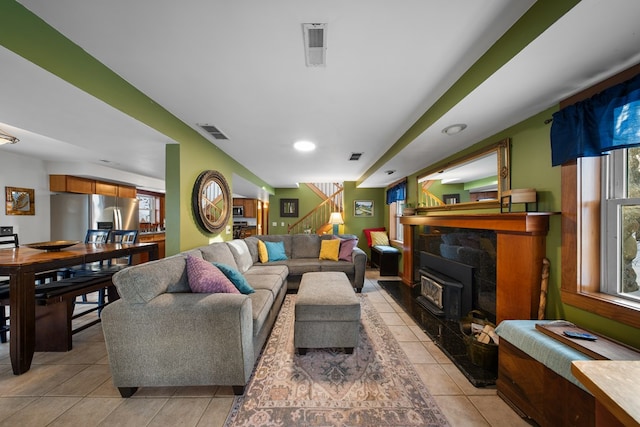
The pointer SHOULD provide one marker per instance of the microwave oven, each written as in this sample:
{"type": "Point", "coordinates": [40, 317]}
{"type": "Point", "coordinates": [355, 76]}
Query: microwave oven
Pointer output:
{"type": "Point", "coordinates": [238, 211]}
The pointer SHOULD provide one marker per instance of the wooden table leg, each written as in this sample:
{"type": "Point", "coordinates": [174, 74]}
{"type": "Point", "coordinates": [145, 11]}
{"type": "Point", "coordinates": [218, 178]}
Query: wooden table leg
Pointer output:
{"type": "Point", "coordinates": [22, 320]}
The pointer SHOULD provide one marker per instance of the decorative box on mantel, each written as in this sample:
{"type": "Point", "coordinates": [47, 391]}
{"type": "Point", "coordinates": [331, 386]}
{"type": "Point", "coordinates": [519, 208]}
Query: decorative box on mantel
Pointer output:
{"type": "Point", "coordinates": [522, 195]}
{"type": "Point", "coordinates": [520, 249]}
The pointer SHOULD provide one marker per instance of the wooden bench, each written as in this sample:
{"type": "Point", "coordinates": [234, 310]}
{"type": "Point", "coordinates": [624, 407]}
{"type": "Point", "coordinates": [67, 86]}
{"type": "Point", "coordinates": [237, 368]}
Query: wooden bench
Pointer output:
{"type": "Point", "coordinates": [55, 303]}
{"type": "Point", "coordinates": [386, 259]}
{"type": "Point", "coordinates": [534, 371]}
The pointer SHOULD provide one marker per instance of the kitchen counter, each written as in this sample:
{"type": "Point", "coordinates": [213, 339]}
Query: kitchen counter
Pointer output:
{"type": "Point", "coordinates": [155, 237]}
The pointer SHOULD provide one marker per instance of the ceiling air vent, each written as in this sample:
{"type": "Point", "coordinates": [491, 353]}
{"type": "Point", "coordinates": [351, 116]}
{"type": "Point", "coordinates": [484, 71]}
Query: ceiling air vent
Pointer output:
{"type": "Point", "coordinates": [315, 44]}
{"type": "Point", "coordinates": [213, 131]}
{"type": "Point", "coordinates": [355, 156]}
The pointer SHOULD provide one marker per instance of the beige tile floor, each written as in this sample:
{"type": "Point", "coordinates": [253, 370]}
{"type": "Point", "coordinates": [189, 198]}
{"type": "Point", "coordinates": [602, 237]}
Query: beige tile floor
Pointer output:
{"type": "Point", "coordinates": [75, 389]}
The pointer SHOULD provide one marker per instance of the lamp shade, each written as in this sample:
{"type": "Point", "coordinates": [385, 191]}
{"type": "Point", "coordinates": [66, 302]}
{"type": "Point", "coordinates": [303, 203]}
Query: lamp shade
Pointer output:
{"type": "Point", "coordinates": [336, 218]}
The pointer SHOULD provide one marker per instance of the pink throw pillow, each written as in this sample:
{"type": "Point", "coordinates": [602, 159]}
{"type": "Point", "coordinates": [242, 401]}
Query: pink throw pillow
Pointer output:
{"type": "Point", "coordinates": [205, 277]}
{"type": "Point", "coordinates": [346, 248]}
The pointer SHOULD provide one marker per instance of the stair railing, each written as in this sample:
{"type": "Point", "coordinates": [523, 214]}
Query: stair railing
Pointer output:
{"type": "Point", "coordinates": [317, 220]}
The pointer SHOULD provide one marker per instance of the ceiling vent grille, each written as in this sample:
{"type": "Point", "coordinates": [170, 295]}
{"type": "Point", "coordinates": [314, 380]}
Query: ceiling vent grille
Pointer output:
{"type": "Point", "coordinates": [213, 131]}
{"type": "Point", "coordinates": [315, 44]}
{"type": "Point", "coordinates": [355, 156]}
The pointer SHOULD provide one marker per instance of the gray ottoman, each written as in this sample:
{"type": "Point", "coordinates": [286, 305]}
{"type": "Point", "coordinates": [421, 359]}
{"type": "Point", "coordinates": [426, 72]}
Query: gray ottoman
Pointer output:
{"type": "Point", "coordinates": [327, 312]}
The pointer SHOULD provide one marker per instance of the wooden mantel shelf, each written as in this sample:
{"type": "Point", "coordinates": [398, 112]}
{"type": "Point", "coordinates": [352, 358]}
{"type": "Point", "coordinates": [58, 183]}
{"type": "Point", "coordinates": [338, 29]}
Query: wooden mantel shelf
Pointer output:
{"type": "Point", "coordinates": [520, 222]}
{"type": "Point", "coordinates": [521, 247]}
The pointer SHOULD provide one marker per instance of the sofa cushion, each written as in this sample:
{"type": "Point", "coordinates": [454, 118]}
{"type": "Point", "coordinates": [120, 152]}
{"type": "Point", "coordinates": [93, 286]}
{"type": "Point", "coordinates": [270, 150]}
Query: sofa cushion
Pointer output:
{"type": "Point", "coordinates": [252, 244]}
{"type": "Point", "coordinates": [305, 246]}
{"type": "Point", "coordinates": [205, 277]}
{"type": "Point", "coordinates": [279, 269]}
{"type": "Point", "coordinates": [218, 252]}
{"type": "Point", "coordinates": [241, 254]}
{"type": "Point", "coordinates": [235, 277]}
{"type": "Point", "coordinates": [343, 266]}
{"type": "Point", "coordinates": [141, 283]}
{"type": "Point", "coordinates": [270, 282]}
{"type": "Point", "coordinates": [261, 303]}
{"type": "Point", "coordinates": [330, 249]}
{"type": "Point", "coordinates": [346, 249]}
{"type": "Point", "coordinates": [299, 266]}
{"type": "Point", "coordinates": [276, 251]}
{"type": "Point", "coordinates": [263, 253]}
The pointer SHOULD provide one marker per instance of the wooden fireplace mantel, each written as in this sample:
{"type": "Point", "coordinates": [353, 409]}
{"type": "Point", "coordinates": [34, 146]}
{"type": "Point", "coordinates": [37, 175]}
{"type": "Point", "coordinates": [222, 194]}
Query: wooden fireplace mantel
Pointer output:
{"type": "Point", "coordinates": [521, 247]}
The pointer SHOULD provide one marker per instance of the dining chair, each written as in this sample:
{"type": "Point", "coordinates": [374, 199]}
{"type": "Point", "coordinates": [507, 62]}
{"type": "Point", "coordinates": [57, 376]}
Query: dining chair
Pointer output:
{"type": "Point", "coordinates": [96, 236]}
{"type": "Point", "coordinates": [112, 265]}
{"type": "Point", "coordinates": [6, 242]}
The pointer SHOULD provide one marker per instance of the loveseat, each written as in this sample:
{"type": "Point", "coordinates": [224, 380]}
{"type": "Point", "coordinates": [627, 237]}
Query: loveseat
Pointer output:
{"type": "Point", "coordinates": [160, 333]}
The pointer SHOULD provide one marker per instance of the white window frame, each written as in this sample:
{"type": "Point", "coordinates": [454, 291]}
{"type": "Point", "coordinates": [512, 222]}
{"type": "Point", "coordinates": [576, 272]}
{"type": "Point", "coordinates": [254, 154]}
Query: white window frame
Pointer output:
{"type": "Point", "coordinates": [396, 231]}
{"type": "Point", "coordinates": [614, 197]}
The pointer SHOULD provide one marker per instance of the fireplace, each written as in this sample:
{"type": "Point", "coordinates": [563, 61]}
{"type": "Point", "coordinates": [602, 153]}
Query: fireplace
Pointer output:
{"type": "Point", "coordinates": [445, 286]}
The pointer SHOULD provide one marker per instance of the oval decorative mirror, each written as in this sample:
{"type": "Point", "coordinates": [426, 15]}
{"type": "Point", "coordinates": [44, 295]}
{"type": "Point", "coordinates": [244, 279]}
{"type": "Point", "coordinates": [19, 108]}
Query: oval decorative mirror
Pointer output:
{"type": "Point", "coordinates": [210, 200]}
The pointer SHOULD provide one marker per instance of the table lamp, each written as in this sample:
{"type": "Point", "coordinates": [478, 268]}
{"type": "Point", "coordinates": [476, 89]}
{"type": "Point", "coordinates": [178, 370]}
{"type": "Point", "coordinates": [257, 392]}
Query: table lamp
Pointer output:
{"type": "Point", "coordinates": [336, 220]}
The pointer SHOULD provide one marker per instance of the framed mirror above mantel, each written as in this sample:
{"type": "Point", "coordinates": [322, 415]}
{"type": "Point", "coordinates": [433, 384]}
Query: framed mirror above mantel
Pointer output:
{"type": "Point", "coordinates": [474, 181]}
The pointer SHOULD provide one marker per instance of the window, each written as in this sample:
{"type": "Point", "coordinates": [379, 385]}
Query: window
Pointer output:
{"type": "Point", "coordinates": [395, 228]}
{"type": "Point", "coordinates": [621, 223]}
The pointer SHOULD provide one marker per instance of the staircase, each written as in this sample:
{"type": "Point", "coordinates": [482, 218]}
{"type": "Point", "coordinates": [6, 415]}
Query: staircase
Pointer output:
{"type": "Point", "coordinates": [431, 199]}
{"type": "Point", "coordinates": [316, 221]}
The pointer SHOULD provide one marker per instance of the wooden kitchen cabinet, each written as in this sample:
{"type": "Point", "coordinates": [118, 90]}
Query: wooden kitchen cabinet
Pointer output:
{"type": "Point", "coordinates": [75, 184]}
{"type": "Point", "coordinates": [126, 191]}
{"type": "Point", "coordinates": [106, 189]}
{"type": "Point", "coordinates": [71, 184]}
{"type": "Point", "coordinates": [158, 238]}
{"type": "Point", "coordinates": [249, 205]}
{"type": "Point", "coordinates": [249, 208]}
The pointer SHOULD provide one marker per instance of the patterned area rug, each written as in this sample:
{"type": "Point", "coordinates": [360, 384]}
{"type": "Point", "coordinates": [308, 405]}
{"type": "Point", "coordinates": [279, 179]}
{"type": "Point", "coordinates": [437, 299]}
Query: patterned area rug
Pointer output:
{"type": "Point", "coordinates": [375, 386]}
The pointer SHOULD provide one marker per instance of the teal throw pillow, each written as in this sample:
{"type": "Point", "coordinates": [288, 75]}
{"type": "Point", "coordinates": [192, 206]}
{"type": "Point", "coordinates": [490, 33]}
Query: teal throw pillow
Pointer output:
{"type": "Point", "coordinates": [235, 277]}
{"type": "Point", "coordinates": [275, 251]}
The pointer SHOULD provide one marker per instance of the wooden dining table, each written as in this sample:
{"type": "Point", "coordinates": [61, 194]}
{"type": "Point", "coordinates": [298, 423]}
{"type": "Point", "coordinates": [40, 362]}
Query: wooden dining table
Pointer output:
{"type": "Point", "coordinates": [22, 264]}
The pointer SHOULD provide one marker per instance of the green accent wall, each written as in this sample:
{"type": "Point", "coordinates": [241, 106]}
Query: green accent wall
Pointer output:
{"type": "Point", "coordinates": [531, 168]}
{"type": "Point", "coordinates": [307, 200]}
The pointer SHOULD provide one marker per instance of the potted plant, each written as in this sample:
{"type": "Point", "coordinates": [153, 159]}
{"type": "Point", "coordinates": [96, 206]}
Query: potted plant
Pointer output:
{"type": "Point", "coordinates": [409, 209]}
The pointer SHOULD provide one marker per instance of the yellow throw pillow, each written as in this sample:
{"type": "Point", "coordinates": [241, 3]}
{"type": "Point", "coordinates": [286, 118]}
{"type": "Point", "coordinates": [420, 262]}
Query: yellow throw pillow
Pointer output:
{"type": "Point", "coordinates": [379, 238]}
{"type": "Point", "coordinates": [330, 249]}
{"type": "Point", "coordinates": [263, 254]}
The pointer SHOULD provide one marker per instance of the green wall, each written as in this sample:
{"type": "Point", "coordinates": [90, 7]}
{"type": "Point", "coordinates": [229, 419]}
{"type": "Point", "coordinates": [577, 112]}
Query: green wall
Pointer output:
{"type": "Point", "coordinates": [531, 168]}
{"type": "Point", "coordinates": [307, 200]}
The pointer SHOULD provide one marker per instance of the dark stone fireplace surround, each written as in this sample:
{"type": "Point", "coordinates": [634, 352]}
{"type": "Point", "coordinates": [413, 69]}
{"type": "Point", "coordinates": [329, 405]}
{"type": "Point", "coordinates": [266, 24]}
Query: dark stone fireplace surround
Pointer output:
{"type": "Point", "coordinates": [519, 240]}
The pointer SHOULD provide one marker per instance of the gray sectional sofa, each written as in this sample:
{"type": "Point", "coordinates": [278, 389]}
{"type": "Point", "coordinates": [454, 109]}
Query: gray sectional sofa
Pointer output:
{"type": "Point", "coordinates": [159, 333]}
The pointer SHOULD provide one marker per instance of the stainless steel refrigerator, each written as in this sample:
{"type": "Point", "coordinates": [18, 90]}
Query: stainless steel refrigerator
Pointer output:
{"type": "Point", "coordinates": [73, 214]}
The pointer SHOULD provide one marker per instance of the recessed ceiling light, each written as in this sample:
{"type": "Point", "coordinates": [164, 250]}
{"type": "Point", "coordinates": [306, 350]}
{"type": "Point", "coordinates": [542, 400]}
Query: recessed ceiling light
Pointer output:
{"type": "Point", "coordinates": [454, 129]}
{"type": "Point", "coordinates": [304, 146]}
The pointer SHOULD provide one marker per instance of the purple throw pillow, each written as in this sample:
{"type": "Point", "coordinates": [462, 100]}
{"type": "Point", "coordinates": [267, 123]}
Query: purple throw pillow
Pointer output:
{"type": "Point", "coordinates": [346, 248]}
{"type": "Point", "coordinates": [204, 277]}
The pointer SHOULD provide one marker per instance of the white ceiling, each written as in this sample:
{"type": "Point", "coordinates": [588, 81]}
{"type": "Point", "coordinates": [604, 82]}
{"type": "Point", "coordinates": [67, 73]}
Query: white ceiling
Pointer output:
{"type": "Point", "coordinates": [240, 66]}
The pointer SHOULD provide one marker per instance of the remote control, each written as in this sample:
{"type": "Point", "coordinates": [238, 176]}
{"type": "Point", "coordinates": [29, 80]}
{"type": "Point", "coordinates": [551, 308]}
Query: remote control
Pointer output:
{"type": "Point", "coordinates": [580, 335]}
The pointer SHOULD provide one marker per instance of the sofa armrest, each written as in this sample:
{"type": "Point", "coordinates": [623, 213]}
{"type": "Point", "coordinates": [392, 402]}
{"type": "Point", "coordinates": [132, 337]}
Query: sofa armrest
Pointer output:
{"type": "Point", "coordinates": [359, 258]}
{"type": "Point", "coordinates": [180, 339]}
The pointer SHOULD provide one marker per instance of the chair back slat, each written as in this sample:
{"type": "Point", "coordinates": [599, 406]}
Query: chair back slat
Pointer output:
{"type": "Point", "coordinates": [97, 236]}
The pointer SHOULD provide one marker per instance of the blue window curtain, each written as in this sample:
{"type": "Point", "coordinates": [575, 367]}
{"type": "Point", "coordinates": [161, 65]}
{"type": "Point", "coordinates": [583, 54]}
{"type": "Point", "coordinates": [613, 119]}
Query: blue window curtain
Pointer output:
{"type": "Point", "coordinates": [604, 122]}
{"type": "Point", "coordinates": [397, 193]}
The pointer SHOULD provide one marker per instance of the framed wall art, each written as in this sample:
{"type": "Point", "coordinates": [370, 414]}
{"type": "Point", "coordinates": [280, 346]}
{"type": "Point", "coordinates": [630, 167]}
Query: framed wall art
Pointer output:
{"type": "Point", "coordinates": [19, 201]}
{"type": "Point", "coordinates": [363, 208]}
{"type": "Point", "coordinates": [289, 208]}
